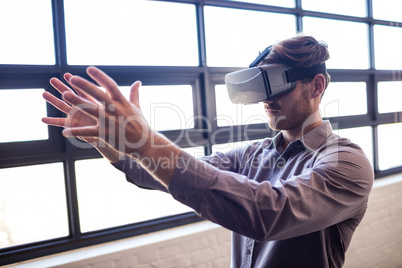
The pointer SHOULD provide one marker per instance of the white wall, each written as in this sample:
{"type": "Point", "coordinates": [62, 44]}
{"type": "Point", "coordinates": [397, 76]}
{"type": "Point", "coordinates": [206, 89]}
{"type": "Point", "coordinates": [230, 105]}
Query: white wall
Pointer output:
{"type": "Point", "coordinates": [376, 243]}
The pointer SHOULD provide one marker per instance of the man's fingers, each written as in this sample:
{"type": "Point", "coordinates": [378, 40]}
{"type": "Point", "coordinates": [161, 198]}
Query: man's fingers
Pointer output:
{"type": "Point", "coordinates": [135, 93]}
{"type": "Point", "coordinates": [89, 88]}
{"type": "Point", "coordinates": [53, 121]}
{"type": "Point", "coordinates": [67, 77]}
{"type": "Point", "coordinates": [82, 104]}
{"type": "Point", "coordinates": [106, 82]}
{"type": "Point", "coordinates": [56, 102]}
{"type": "Point", "coordinates": [59, 86]}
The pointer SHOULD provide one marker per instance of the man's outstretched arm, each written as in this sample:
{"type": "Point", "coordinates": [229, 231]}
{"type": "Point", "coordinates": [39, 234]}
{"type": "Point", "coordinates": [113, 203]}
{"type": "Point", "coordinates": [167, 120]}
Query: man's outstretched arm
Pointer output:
{"type": "Point", "coordinates": [109, 119]}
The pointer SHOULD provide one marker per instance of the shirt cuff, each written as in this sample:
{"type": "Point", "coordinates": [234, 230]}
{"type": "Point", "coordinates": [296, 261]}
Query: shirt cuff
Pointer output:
{"type": "Point", "coordinates": [135, 174]}
{"type": "Point", "coordinates": [120, 164]}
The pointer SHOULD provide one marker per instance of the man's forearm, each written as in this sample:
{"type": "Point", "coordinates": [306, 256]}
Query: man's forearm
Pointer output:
{"type": "Point", "coordinates": [158, 157]}
{"type": "Point", "coordinates": [108, 152]}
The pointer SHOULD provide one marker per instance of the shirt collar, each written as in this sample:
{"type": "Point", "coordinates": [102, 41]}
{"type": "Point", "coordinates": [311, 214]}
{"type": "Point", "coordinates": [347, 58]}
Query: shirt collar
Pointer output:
{"type": "Point", "coordinates": [317, 136]}
{"type": "Point", "coordinates": [276, 141]}
{"type": "Point", "coordinates": [312, 139]}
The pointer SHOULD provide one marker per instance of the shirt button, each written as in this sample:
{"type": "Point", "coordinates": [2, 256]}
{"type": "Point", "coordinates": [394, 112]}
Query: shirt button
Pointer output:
{"type": "Point", "coordinates": [248, 252]}
{"type": "Point", "coordinates": [280, 163]}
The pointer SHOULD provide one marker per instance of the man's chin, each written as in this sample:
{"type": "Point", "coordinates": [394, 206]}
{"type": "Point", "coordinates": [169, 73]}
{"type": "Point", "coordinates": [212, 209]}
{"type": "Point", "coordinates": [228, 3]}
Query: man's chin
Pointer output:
{"type": "Point", "coordinates": [276, 124]}
{"type": "Point", "coordinates": [274, 127]}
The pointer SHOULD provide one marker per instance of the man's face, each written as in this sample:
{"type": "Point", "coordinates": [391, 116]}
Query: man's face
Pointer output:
{"type": "Point", "coordinates": [289, 111]}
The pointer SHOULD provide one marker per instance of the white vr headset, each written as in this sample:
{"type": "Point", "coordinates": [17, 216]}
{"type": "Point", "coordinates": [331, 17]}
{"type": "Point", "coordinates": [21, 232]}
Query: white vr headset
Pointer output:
{"type": "Point", "coordinates": [262, 83]}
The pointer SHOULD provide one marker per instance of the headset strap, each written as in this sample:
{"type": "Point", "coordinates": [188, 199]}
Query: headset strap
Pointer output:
{"type": "Point", "coordinates": [293, 74]}
{"type": "Point", "coordinates": [260, 57]}
{"type": "Point", "coordinates": [301, 73]}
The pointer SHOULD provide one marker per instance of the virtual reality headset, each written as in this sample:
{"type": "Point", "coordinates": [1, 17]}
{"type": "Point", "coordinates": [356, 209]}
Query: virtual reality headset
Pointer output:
{"type": "Point", "coordinates": [262, 83]}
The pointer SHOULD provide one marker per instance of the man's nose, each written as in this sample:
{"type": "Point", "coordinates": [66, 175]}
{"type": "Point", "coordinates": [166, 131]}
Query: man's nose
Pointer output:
{"type": "Point", "coordinates": [270, 101]}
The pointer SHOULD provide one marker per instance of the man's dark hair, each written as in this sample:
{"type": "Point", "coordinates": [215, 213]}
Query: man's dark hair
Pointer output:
{"type": "Point", "coordinates": [298, 52]}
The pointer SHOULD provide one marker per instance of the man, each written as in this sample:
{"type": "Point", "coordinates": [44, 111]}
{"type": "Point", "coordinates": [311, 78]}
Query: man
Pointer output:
{"type": "Point", "coordinates": [291, 201]}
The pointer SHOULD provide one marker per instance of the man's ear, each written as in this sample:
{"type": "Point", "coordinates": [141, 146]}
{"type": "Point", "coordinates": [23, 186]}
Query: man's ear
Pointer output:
{"type": "Point", "coordinates": [318, 86]}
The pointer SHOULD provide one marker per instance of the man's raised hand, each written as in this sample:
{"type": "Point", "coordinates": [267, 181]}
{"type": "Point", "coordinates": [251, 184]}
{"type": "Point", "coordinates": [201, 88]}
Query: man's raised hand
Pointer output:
{"type": "Point", "coordinates": [119, 122]}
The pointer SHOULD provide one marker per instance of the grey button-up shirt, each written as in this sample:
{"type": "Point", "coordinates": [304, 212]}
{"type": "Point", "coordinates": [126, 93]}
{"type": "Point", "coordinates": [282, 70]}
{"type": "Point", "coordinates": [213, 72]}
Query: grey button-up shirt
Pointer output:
{"type": "Point", "coordinates": [297, 208]}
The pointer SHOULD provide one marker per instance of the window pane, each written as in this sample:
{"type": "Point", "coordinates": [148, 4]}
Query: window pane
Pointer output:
{"type": "Point", "coordinates": [106, 199]}
{"type": "Point", "coordinates": [195, 151]}
{"type": "Point", "coordinates": [387, 10]}
{"type": "Point", "coordinates": [389, 142]}
{"type": "Point", "coordinates": [26, 32]}
{"type": "Point", "coordinates": [21, 111]}
{"type": "Point", "coordinates": [231, 41]}
{"type": "Point", "coordinates": [343, 7]}
{"type": "Point", "coordinates": [362, 136]}
{"type": "Point", "coordinates": [125, 32]}
{"type": "Point", "coordinates": [282, 3]}
{"type": "Point", "coordinates": [166, 107]}
{"type": "Point", "coordinates": [353, 54]}
{"type": "Point", "coordinates": [387, 46]}
{"type": "Point", "coordinates": [225, 147]}
{"type": "Point", "coordinates": [343, 99]}
{"type": "Point", "coordinates": [229, 114]}
{"type": "Point", "coordinates": [388, 95]}
{"type": "Point", "coordinates": [32, 204]}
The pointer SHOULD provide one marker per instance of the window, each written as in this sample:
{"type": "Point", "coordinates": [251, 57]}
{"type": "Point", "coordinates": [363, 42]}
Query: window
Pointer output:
{"type": "Point", "coordinates": [344, 99]}
{"type": "Point", "coordinates": [32, 204]}
{"type": "Point", "coordinates": [57, 194]}
{"type": "Point", "coordinates": [21, 111]}
{"type": "Point", "coordinates": [348, 52]}
{"type": "Point", "coordinates": [284, 3]}
{"type": "Point", "coordinates": [135, 33]}
{"type": "Point", "coordinates": [196, 151]}
{"type": "Point", "coordinates": [387, 10]}
{"type": "Point", "coordinates": [387, 44]}
{"type": "Point", "coordinates": [225, 147]}
{"type": "Point", "coordinates": [389, 142]}
{"type": "Point", "coordinates": [362, 136]}
{"type": "Point", "coordinates": [229, 114]}
{"type": "Point", "coordinates": [107, 200]}
{"type": "Point", "coordinates": [343, 7]}
{"type": "Point", "coordinates": [234, 42]}
{"type": "Point", "coordinates": [388, 93]}
{"type": "Point", "coordinates": [26, 33]}
{"type": "Point", "coordinates": [162, 109]}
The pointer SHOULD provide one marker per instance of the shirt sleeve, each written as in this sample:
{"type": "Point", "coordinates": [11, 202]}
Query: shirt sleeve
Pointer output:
{"type": "Point", "coordinates": [332, 190]}
{"type": "Point", "coordinates": [137, 175]}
